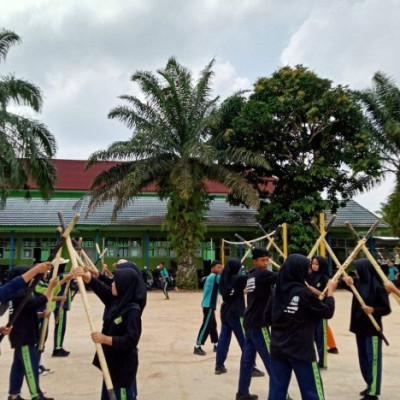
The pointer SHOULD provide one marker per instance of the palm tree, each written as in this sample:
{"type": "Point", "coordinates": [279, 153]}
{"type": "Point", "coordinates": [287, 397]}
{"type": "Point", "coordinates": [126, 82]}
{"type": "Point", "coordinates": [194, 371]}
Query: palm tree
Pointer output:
{"type": "Point", "coordinates": [382, 103]}
{"type": "Point", "coordinates": [171, 145]}
{"type": "Point", "coordinates": [26, 146]}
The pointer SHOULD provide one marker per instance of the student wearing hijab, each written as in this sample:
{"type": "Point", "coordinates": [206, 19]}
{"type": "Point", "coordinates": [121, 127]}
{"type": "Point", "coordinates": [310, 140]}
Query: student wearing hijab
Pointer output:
{"type": "Point", "coordinates": [293, 314]}
{"type": "Point", "coordinates": [318, 279]}
{"type": "Point", "coordinates": [121, 331]}
{"type": "Point", "coordinates": [24, 337]}
{"type": "Point", "coordinates": [231, 287]}
{"type": "Point", "coordinates": [369, 343]}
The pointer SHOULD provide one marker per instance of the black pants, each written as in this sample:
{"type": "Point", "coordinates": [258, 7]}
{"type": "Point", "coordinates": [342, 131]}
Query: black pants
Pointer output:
{"type": "Point", "coordinates": [208, 327]}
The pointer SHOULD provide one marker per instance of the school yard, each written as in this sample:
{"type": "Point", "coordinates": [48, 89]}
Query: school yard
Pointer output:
{"type": "Point", "coordinates": [170, 371]}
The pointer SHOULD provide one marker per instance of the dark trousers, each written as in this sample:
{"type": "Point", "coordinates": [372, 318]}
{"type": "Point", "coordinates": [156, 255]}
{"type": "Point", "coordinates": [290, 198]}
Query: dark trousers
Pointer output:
{"type": "Point", "coordinates": [235, 325]}
{"type": "Point", "coordinates": [208, 327]}
{"type": "Point", "coordinates": [60, 326]}
{"type": "Point", "coordinates": [25, 364]}
{"type": "Point", "coordinates": [307, 375]}
{"type": "Point", "coordinates": [370, 359]}
{"type": "Point", "coordinates": [321, 340]}
{"type": "Point", "coordinates": [257, 340]}
{"type": "Point", "coordinates": [121, 393]}
{"type": "Point", "coordinates": [165, 289]}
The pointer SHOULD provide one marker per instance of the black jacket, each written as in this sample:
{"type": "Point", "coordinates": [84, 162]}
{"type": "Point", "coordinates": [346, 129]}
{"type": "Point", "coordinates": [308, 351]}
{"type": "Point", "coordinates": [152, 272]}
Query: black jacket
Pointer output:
{"type": "Point", "coordinates": [25, 331]}
{"type": "Point", "coordinates": [258, 290]}
{"type": "Point", "coordinates": [122, 356]}
{"type": "Point", "coordinates": [292, 334]}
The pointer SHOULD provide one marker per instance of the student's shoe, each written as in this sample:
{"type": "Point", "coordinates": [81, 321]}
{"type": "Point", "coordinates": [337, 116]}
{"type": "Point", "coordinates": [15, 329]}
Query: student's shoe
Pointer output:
{"type": "Point", "coordinates": [16, 398]}
{"type": "Point", "coordinates": [42, 397]}
{"type": "Point", "coordinates": [364, 392]}
{"type": "Point", "coordinates": [257, 373]}
{"type": "Point", "coordinates": [199, 351]}
{"type": "Point", "coordinates": [333, 350]}
{"type": "Point", "coordinates": [220, 369]}
{"type": "Point", "coordinates": [60, 353]}
{"type": "Point", "coordinates": [215, 348]}
{"type": "Point", "coordinates": [246, 396]}
{"type": "Point", "coordinates": [370, 397]}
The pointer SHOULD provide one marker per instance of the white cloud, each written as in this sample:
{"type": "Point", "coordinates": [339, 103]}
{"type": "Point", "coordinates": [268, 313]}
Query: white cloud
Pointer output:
{"type": "Point", "coordinates": [348, 41]}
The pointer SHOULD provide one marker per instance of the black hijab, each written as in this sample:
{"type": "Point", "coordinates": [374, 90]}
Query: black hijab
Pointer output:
{"type": "Point", "coordinates": [125, 282]}
{"type": "Point", "coordinates": [319, 278]}
{"type": "Point", "coordinates": [368, 281]}
{"type": "Point", "coordinates": [139, 290]}
{"type": "Point", "coordinates": [231, 270]}
{"type": "Point", "coordinates": [290, 282]}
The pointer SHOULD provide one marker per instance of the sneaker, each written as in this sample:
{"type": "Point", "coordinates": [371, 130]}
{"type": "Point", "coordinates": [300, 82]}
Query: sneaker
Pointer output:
{"type": "Point", "coordinates": [60, 353]}
{"type": "Point", "coordinates": [246, 396]}
{"type": "Point", "coordinates": [215, 348]}
{"type": "Point", "coordinates": [199, 351]}
{"type": "Point", "coordinates": [42, 397]}
{"type": "Point", "coordinates": [220, 369]}
{"type": "Point", "coordinates": [257, 373]}
{"type": "Point", "coordinates": [16, 398]}
{"type": "Point", "coordinates": [370, 397]}
{"type": "Point", "coordinates": [333, 350]}
{"type": "Point", "coordinates": [364, 392]}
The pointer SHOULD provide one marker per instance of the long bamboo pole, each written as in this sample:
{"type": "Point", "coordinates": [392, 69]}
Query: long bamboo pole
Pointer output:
{"type": "Point", "coordinates": [82, 290]}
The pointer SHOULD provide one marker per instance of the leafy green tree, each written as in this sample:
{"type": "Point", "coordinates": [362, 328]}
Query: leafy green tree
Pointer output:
{"type": "Point", "coordinates": [316, 141]}
{"type": "Point", "coordinates": [172, 146]}
{"type": "Point", "coordinates": [382, 103]}
{"type": "Point", "coordinates": [26, 146]}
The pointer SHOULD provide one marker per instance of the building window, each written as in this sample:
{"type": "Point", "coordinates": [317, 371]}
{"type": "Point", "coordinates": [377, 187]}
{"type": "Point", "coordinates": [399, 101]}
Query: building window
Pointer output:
{"type": "Point", "coordinates": [158, 248]}
{"type": "Point", "coordinates": [38, 249]}
{"type": "Point", "coordinates": [123, 247]}
{"type": "Point", "coordinates": [4, 248]}
{"type": "Point", "coordinates": [88, 247]}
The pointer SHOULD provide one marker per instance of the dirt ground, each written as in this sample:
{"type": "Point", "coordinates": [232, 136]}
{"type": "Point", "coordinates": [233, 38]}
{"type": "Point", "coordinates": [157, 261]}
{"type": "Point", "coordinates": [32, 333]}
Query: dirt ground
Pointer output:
{"type": "Point", "coordinates": [170, 371]}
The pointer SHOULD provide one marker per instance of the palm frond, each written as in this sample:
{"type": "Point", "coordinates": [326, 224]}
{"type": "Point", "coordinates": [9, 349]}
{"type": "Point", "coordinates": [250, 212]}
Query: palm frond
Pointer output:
{"type": "Point", "coordinates": [7, 39]}
{"type": "Point", "coordinates": [21, 92]}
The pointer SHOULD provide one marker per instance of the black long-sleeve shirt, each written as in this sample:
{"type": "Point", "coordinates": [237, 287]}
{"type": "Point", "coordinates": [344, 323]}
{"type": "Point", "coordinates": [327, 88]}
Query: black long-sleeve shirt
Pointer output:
{"type": "Point", "coordinates": [258, 290]}
{"type": "Point", "coordinates": [292, 335]}
{"type": "Point", "coordinates": [122, 356]}
{"type": "Point", "coordinates": [25, 331]}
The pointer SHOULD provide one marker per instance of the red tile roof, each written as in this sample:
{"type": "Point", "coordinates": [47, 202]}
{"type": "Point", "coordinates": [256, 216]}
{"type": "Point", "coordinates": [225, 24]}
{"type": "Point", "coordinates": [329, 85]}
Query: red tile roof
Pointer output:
{"type": "Point", "coordinates": [72, 175]}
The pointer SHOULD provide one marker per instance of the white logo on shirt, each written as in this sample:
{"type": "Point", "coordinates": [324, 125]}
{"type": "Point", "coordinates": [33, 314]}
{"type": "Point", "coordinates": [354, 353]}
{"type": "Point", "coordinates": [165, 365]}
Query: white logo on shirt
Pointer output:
{"type": "Point", "coordinates": [293, 305]}
{"type": "Point", "coordinates": [251, 285]}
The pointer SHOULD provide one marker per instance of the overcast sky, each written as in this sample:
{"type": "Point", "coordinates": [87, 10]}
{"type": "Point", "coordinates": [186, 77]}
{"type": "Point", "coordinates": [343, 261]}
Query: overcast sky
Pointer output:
{"type": "Point", "coordinates": [81, 53]}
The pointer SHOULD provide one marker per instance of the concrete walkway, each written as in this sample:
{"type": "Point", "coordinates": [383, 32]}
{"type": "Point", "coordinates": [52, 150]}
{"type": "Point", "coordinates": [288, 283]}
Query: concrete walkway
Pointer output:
{"type": "Point", "coordinates": [170, 371]}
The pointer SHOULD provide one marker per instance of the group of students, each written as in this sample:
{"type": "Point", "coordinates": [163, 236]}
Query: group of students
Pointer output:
{"type": "Point", "coordinates": [124, 296]}
{"type": "Point", "coordinates": [285, 320]}
{"type": "Point", "coordinates": [27, 311]}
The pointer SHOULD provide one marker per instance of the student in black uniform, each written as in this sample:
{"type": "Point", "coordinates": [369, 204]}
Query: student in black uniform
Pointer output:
{"type": "Point", "coordinates": [121, 331]}
{"type": "Point", "coordinates": [24, 338]}
{"type": "Point", "coordinates": [61, 311]}
{"type": "Point", "coordinates": [318, 279]}
{"type": "Point", "coordinates": [293, 313]}
{"type": "Point", "coordinates": [209, 304]}
{"type": "Point", "coordinates": [257, 336]}
{"type": "Point", "coordinates": [231, 288]}
{"type": "Point", "coordinates": [369, 343]}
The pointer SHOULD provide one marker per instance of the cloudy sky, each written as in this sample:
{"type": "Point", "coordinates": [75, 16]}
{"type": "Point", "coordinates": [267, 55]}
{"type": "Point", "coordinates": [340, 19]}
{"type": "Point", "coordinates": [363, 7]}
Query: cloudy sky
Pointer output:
{"type": "Point", "coordinates": [81, 53]}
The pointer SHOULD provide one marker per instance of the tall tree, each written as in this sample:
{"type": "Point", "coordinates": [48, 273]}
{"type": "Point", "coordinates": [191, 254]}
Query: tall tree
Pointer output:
{"type": "Point", "coordinates": [171, 145]}
{"type": "Point", "coordinates": [315, 138]}
{"type": "Point", "coordinates": [382, 103]}
{"type": "Point", "coordinates": [26, 145]}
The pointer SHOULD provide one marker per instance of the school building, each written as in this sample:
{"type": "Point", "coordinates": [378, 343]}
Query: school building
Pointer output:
{"type": "Point", "coordinates": [28, 227]}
